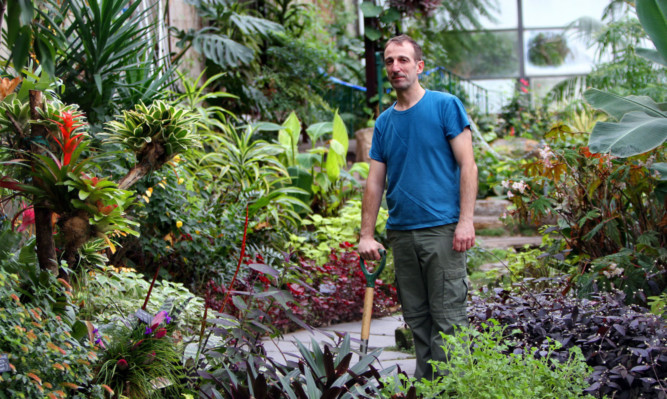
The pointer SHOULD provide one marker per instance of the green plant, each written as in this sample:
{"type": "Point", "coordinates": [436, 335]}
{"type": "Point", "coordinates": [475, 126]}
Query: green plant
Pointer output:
{"type": "Point", "coordinates": [142, 360]}
{"type": "Point", "coordinates": [478, 368]}
{"type": "Point", "coordinates": [47, 356]}
{"type": "Point", "coordinates": [103, 51]}
{"type": "Point", "coordinates": [608, 212]}
{"type": "Point", "coordinates": [321, 170]}
{"type": "Point", "coordinates": [155, 134]}
{"type": "Point", "coordinates": [548, 49]}
{"type": "Point", "coordinates": [109, 293]}
{"type": "Point", "coordinates": [328, 232]}
{"type": "Point", "coordinates": [658, 304]}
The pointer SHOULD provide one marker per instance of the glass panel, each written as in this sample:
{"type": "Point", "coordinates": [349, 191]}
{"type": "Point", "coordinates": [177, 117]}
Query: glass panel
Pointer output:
{"type": "Point", "coordinates": [480, 54]}
{"type": "Point", "coordinates": [559, 13]}
{"type": "Point", "coordinates": [499, 92]}
{"type": "Point", "coordinates": [552, 52]}
{"type": "Point", "coordinates": [506, 16]}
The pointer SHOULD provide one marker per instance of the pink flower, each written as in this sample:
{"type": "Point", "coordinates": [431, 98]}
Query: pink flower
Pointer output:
{"type": "Point", "coordinates": [523, 81]}
{"type": "Point", "coordinates": [122, 364]}
{"type": "Point", "coordinates": [159, 318]}
{"type": "Point", "coordinates": [27, 220]}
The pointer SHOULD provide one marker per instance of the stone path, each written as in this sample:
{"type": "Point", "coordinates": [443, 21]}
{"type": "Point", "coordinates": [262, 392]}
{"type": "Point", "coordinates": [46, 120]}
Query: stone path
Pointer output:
{"type": "Point", "coordinates": [381, 336]}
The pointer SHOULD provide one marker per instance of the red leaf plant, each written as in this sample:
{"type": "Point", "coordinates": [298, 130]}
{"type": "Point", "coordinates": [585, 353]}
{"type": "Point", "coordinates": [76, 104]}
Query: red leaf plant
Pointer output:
{"type": "Point", "coordinates": [69, 140]}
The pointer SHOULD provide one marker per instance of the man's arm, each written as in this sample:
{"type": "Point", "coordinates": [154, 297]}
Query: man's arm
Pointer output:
{"type": "Point", "coordinates": [464, 236]}
{"type": "Point", "coordinates": [370, 206]}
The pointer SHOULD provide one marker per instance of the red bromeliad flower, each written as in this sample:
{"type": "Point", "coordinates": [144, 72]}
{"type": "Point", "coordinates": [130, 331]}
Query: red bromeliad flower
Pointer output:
{"type": "Point", "coordinates": [105, 209]}
{"type": "Point", "coordinates": [68, 141]}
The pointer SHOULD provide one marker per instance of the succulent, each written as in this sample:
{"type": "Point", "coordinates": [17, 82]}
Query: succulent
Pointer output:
{"type": "Point", "coordinates": [160, 130]}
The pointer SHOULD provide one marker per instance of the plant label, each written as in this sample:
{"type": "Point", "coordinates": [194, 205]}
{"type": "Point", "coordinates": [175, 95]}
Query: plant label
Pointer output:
{"type": "Point", "coordinates": [143, 316]}
{"type": "Point", "coordinates": [4, 363]}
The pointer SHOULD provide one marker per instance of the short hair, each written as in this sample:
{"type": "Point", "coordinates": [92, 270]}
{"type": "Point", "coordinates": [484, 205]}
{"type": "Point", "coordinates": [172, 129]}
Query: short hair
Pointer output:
{"type": "Point", "coordinates": [400, 39]}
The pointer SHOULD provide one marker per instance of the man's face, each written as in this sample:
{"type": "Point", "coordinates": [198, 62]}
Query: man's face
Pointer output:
{"type": "Point", "coordinates": [402, 68]}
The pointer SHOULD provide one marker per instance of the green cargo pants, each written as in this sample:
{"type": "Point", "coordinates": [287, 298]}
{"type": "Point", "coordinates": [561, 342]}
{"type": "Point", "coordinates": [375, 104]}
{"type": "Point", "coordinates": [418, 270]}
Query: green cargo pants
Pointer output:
{"type": "Point", "coordinates": [432, 286]}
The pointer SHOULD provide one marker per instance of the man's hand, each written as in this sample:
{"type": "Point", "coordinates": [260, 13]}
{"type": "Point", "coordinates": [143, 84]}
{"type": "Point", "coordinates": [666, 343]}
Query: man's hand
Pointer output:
{"type": "Point", "coordinates": [464, 236]}
{"type": "Point", "coordinates": [369, 249]}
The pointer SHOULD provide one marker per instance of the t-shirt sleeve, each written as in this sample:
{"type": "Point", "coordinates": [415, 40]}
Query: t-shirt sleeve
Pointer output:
{"type": "Point", "coordinates": [455, 117]}
{"type": "Point", "coordinates": [376, 145]}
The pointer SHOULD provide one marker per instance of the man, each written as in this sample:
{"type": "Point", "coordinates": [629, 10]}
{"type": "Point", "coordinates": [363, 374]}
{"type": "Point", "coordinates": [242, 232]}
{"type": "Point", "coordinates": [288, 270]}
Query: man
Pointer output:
{"type": "Point", "coordinates": [422, 146]}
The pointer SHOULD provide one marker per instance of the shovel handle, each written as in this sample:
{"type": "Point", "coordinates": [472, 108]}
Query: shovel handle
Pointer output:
{"type": "Point", "coordinates": [371, 277]}
{"type": "Point", "coordinates": [366, 319]}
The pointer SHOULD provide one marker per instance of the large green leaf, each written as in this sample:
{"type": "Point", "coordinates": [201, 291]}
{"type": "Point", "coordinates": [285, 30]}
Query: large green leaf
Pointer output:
{"type": "Point", "coordinates": [653, 17]}
{"type": "Point", "coordinates": [617, 106]}
{"type": "Point", "coordinates": [317, 130]}
{"type": "Point", "coordinates": [370, 10]}
{"type": "Point", "coordinates": [635, 134]}
{"type": "Point", "coordinates": [340, 131]}
{"type": "Point", "coordinates": [661, 168]}
{"type": "Point", "coordinates": [222, 50]}
{"type": "Point", "coordinates": [652, 55]}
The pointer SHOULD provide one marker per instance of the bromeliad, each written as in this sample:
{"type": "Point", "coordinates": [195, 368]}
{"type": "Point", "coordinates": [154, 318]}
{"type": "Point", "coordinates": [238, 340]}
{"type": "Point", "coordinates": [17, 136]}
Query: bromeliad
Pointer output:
{"type": "Point", "coordinates": [69, 140]}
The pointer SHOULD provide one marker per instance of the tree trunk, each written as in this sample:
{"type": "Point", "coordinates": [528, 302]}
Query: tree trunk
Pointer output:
{"type": "Point", "coordinates": [371, 69]}
{"type": "Point", "coordinates": [3, 7]}
{"type": "Point", "coordinates": [46, 248]}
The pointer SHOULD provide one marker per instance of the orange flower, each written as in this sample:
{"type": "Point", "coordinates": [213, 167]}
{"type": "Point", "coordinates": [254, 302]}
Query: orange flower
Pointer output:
{"type": "Point", "coordinates": [35, 314]}
{"type": "Point", "coordinates": [59, 366]}
{"type": "Point", "coordinates": [31, 335]}
{"type": "Point", "coordinates": [70, 385]}
{"type": "Point", "coordinates": [8, 86]}
{"type": "Point", "coordinates": [65, 283]}
{"type": "Point", "coordinates": [108, 389]}
{"type": "Point", "coordinates": [15, 298]}
{"type": "Point", "coordinates": [52, 396]}
{"type": "Point", "coordinates": [48, 385]}
{"type": "Point", "coordinates": [34, 377]}
{"type": "Point", "coordinates": [56, 348]}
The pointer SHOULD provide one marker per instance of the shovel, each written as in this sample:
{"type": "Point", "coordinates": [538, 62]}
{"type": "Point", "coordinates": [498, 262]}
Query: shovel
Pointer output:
{"type": "Point", "coordinates": [368, 299]}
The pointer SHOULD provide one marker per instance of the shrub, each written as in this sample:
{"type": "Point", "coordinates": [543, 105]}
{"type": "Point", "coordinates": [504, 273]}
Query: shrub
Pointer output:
{"type": "Point", "coordinates": [48, 358]}
{"type": "Point", "coordinates": [625, 345]}
{"type": "Point", "coordinates": [480, 366]}
{"type": "Point", "coordinates": [609, 212]}
{"type": "Point", "coordinates": [109, 294]}
{"type": "Point", "coordinates": [317, 295]}
{"type": "Point", "coordinates": [143, 360]}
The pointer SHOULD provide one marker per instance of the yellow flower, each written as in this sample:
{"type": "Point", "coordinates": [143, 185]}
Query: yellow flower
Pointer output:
{"type": "Point", "coordinates": [149, 191]}
{"type": "Point", "coordinates": [179, 224]}
{"type": "Point", "coordinates": [181, 180]}
{"type": "Point", "coordinates": [177, 159]}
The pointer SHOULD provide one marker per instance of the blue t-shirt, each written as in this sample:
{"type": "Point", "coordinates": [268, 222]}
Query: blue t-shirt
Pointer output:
{"type": "Point", "coordinates": [422, 173]}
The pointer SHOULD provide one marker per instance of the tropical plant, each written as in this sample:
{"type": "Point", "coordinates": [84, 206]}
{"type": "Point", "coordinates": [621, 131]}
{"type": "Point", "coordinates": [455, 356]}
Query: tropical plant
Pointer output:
{"type": "Point", "coordinates": [547, 49]}
{"type": "Point", "coordinates": [608, 213]}
{"type": "Point", "coordinates": [249, 170]}
{"type": "Point", "coordinates": [142, 360]}
{"type": "Point", "coordinates": [48, 357]}
{"type": "Point", "coordinates": [327, 232]}
{"type": "Point", "coordinates": [155, 134]}
{"type": "Point", "coordinates": [622, 68]}
{"type": "Point", "coordinates": [643, 122]}
{"type": "Point", "coordinates": [103, 51]}
{"type": "Point", "coordinates": [112, 292]}
{"type": "Point", "coordinates": [320, 171]}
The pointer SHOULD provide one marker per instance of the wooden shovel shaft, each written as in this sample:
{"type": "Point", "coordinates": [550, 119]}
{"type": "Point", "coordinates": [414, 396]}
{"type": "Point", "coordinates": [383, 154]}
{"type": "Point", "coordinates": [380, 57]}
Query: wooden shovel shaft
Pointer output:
{"type": "Point", "coordinates": [366, 319]}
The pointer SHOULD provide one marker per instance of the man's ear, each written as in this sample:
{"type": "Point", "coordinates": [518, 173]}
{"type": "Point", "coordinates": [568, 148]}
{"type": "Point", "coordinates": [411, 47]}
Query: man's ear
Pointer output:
{"type": "Point", "coordinates": [420, 66]}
